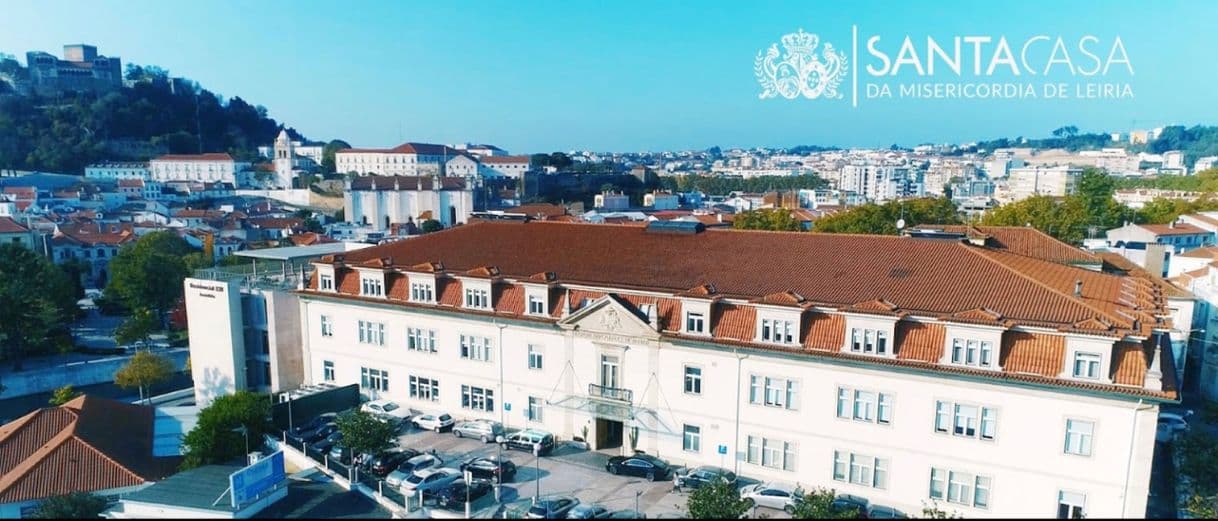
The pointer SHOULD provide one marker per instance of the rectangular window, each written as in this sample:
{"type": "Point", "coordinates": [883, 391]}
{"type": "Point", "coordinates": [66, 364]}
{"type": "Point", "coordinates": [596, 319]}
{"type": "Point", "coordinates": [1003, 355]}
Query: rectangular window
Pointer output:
{"type": "Point", "coordinates": [536, 357]}
{"type": "Point", "coordinates": [371, 287]}
{"type": "Point", "coordinates": [969, 421]}
{"type": "Point", "coordinates": [694, 322]}
{"type": "Point", "coordinates": [421, 340]}
{"type": "Point", "coordinates": [477, 299]}
{"type": "Point", "coordinates": [476, 348]}
{"type": "Point", "coordinates": [774, 392]}
{"type": "Point", "coordinates": [772, 453]}
{"type": "Point", "coordinates": [534, 412]}
{"type": "Point", "coordinates": [371, 333]}
{"type": "Point", "coordinates": [1086, 365]}
{"type": "Point", "coordinates": [861, 405]}
{"type": "Point", "coordinates": [869, 341]}
{"type": "Point", "coordinates": [693, 380]}
{"type": "Point", "coordinates": [974, 353]}
{"type": "Point", "coordinates": [536, 305]}
{"type": "Point", "coordinates": [327, 371]}
{"type": "Point", "coordinates": [1070, 505]}
{"type": "Point", "coordinates": [477, 398]}
{"type": "Point", "coordinates": [424, 388]}
{"type": "Point", "coordinates": [777, 331]}
{"type": "Point", "coordinates": [421, 292]}
{"type": "Point", "coordinates": [327, 283]}
{"type": "Point", "coordinates": [375, 379]}
{"type": "Point", "coordinates": [327, 326]}
{"type": "Point", "coordinates": [1078, 437]}
{"type": "Point", "coordinates": [961, 488]}
{"type": "Point", "coordinates": [692, 438]}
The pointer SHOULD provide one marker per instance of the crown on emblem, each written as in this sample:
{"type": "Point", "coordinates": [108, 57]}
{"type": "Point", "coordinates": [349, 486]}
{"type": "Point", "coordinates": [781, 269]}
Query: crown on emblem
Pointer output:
{"type": "Point", "coordinates": [800, 42]}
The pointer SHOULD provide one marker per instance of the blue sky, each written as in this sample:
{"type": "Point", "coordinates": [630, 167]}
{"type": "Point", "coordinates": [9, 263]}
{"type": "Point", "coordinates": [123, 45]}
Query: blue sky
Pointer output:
{"type": "Point", "coordinates": [622, 75]}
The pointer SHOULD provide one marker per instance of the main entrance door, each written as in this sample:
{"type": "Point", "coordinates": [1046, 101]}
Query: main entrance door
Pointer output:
{"type": "Point", "coordinates": [608, 434]}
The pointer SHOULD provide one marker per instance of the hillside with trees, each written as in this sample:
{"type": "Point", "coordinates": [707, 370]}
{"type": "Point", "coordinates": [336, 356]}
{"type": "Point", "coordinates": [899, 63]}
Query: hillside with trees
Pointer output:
{"type": "Point", "coordinates": [155, 115]}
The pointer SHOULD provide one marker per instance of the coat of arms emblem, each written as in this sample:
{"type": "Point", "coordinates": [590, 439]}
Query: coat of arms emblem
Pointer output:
{"type": "Point", "coordinates": [799, 71]}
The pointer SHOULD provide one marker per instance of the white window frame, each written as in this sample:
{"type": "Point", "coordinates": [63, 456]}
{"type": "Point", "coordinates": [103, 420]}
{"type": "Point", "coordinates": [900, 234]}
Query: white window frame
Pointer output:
{"type": "Point", "coordinates": [777, 331]}
{"type": "Point", "coordinates": [372, 333]}
{"type": "Point", "coordinates": [691, 382]}
{"type": "Point", "coordinates": [1070, 504]}
{"type": "Point", "coordinates": [691, 438]}
{"type": "Point", "coordinates": [375, 379]}
{"type": "Point", "coordinates": [972, 352]}
{"type": "Point", "coordinates": [860, 469]}
{"type": "Point", "coordinates": [880, 409]}
{"type": "Point", "coordinates": [371, 287]}
{"type": "Point", "coordinates": [477, 348]}
{"type": "Point", "coordinates": [1080, 437]}
{"type": "Point", "coordinates": [327, 326]}
{"type": "Point", "coordinates": [424, 388]}
{"type": "Point", "coordinates": [326, 283]}
{"type": "Point", "coordinates": [774, 391]}
{"type": "Point", "coordinates": [477, 398]}
{"type": "Point", "coordinates": [537, 305]}
{"type": "Point", "coordinates": [536, 409]}
{"type": "Point", "coordinates": [537, 357]}
{"type": "Point", "coordinates": [966, 420]}
{"type": "Point", "coordinates": [421, 340]}
{"type": "Point", "coordinates": [422, 292]}
{"type": "Point", "coordinates": [1092, 363]}
{"type": "Point", "coordinates": [477, 298]}
{"type": "Point", "coordinates": [695, 322]}
{"type": "Point", "coordinates": [327, 370]}
{"type": "Point", "coordinates": [961, 488]}
{"type": "Point", "coordinates": [869, 341]}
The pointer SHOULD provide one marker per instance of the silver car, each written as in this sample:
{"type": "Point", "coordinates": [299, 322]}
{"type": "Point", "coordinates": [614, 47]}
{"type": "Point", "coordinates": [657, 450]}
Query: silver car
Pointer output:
{"type": "Point", "coordinates": [485, 430]}
{"type": "Point", "coordinates": [430, 480]}
{"type": "Point", "coordinates": [404, 471]}
{"type": "Point", "coordinates": [776, 495]}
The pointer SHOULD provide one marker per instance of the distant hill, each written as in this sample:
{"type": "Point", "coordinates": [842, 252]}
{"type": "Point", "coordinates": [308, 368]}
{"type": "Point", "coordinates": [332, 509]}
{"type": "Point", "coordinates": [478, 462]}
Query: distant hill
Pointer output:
{"type": "Point", "coordinates": [155, 115]}
{"type": "Point", "coordinates": [1196, 141]}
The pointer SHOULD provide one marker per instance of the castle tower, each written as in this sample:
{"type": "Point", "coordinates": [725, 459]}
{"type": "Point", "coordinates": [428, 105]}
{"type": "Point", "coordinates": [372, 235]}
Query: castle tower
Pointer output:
{"type": "Point", "coordinates": [283, 160]}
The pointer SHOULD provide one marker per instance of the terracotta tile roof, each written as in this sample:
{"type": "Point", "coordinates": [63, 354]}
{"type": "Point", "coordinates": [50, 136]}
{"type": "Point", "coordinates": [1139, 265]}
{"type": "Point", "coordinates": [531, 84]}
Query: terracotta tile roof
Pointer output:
{"type": "Point", "coordinates": [1176, 229]}
{"type": "Point", "coordinates": [9, 225]}
{"type": "Point", "coordinates": [1129, 364]}
{"type": "Point", "coordinates": [920, 341]}
{"type": "Point", "coordinates": [1032, 353]}
{"type": "Point", "coordinates": [1022, 240]}
{"type": "Point", "coordinates": [822, 331]}
{"type": "Point", "coordinates": [505, 159]}
{"type": "Point", "coordinates": [276, 222]}
{"type": "Point", "coordinates": [310, 238]}
{"type": "Point", "coordinates": [546, 210]}
{"type": "Point", "coordinates": [1208, 252]}
{"type": "Point", "coordinates": [84, 445]}
{"type": "Point", "coordinates": [213, 156]}
{"type": "Point", "coordinates": [405, 182]}
{"type": "Point", "coordinates": [427, 149]}
{"type": "Point", "coordinates": [735, 322]}
{"type": "Point", "coordinates": [93, 234]}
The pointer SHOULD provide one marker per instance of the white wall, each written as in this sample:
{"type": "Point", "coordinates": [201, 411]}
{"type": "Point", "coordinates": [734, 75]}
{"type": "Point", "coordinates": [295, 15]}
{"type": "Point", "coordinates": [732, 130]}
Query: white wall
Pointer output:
{"type": "Point", "coordinates": [217, 342]}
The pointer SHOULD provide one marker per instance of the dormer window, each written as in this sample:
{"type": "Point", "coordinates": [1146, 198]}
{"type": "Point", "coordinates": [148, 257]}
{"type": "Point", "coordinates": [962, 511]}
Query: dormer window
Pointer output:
{"type": "Point", "coordinates": [868, 341]}
{"type": "Point", "coordinates": [326, 283]}
{"type": "Point", "coordinates": [477, 298]}
{"type": "Point", "coordinates": [537, 306]}
{"type": "Point", "coordinates": [372, 287]}
{"type": "Point", "coordinates": [421, 292]}
{"type": "Point", "coordinates": [695, 322]}
{"type": "Point", "coordinates": [777, 331]}
{"type": "Point", "coordinates": [1087, 365]}
{"type": "Point", "coordinates": [977, 353]}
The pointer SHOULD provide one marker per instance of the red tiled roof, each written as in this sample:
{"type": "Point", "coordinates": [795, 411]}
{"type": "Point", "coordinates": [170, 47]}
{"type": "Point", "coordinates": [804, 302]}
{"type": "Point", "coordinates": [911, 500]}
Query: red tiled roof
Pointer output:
{"type": "Point", "coordinates": [84, 445]}
{"type": "Point", "coordinates": [427, 149]}
{"type": "Point", "coordinates": [1022, 240]}
{"type": "Point", "coordinates": [920, 341]}
{"type": "Point", "coordinates": [1176, 229]}
{"type": "Point", "coordinates": [1032, 353]}
{"type": "Point", "coordinates": [211, 156]}
{"type": "Point", "coordinates": [544, 209]}
{"type": "Point", "coordinates": [9, 225]}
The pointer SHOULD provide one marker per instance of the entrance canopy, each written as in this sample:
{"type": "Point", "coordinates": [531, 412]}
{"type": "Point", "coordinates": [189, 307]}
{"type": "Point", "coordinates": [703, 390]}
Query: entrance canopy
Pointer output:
{"type": "Point", "coordinates": [597, 407]}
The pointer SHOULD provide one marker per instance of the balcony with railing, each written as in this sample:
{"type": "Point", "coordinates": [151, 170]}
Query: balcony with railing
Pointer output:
{"type": "Point", "coordinates": [611, 393]}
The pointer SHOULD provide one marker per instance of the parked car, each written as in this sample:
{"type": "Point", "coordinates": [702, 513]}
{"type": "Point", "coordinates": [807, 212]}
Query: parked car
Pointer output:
{"type": "Point", "coordinates": [325, 445]}
{"type": "Point", "coordinates": [552, 508]}
{"type": "Point", "coordinates": [639, 465]}
{"type": "Point", "coordinates": [406, 468]}
{"type": "Point", "coordinates": [626, 514]}
{"type": "Point", "coordinates": [882, 512]}
{"type": "Point", "coordinates": [321, 433]}
{"type": "Point", "coordinates": [846, 503]}
{"type": "Point", "coordinates": [306, 430]}
{"type": "Point", "coordinates": [704, 475]}
{"type": "Point", "coordinates": [776, 495]}
{"type": "Point", "coordinates": [454, 494]}
{"type": "Point", "coordinates": [485, 430]}
{"type": "Point", "coordinates": [384, 463]}
{"type": "Point", "coordinates": [527, 439]}
{"type": "Point", "coordinates": [386, 408]}
{"type": "Point", "coordinates": [429, 480]}
{"type": "Point", "coordinates": [490, 468]}
{"type": "Point", "coordinates": [432, 422]}
{"type": "Point", "coordinates": [588, 511]}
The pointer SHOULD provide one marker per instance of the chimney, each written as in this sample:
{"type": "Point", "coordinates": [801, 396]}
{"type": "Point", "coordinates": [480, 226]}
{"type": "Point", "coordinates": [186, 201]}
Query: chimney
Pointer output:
{"type": "Point", "coordinates": [395, 184]}
{"type": "Point", "coordinates": [719, 217]}
{"type": "Point", "coordinates": [1078, 288]}
{"type": "Point", "coordinates": [1171, 224]}
{"type": "Point", "coordinates": [652, 318]}
{"type": "Point", "coordinates": [1154, 373]}
{"type": "Point", "coordinates": [418, 183]}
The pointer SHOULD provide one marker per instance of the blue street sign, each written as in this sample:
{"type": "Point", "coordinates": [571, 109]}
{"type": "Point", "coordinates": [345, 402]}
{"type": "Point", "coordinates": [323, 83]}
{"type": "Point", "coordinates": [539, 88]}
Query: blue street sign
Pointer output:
{"type": "Point", "coordinates": [723, 449]}
{"type": "Point", "coordinates": [507, 407]}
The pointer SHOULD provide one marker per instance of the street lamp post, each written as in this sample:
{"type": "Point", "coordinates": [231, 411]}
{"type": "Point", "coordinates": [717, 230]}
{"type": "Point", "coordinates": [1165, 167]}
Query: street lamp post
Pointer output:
{"type": "Point", "coordinates": [502, 420]}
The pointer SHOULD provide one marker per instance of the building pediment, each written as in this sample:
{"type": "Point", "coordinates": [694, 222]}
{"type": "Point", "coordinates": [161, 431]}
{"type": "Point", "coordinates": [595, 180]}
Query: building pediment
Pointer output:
{"type": "Point", "coordinates": [608, 316]}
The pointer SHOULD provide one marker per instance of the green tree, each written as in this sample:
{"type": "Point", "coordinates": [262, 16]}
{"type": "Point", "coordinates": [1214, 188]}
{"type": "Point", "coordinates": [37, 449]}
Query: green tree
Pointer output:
{"type": "Point", "coordinates": [1199, 461]}
{"type": "Point", "coordinates": [881, 219]}
{"type": "Point", "coordinates": [1200, 507]}
{"type": "Point", "coordinates": [775, 219]}
{"type": "Point", "coordinates": [63, 395]}
{"type": "Point", "coordinates": [137, 328]}
{"type": "Point", "coordinates": [933, 511]}
{"type": "Point", "coordinates": [144, 370]}
{"type": "Point", "coordinates": [430, 225]}
{"type": "Point", "coordinates": [818, 504]}
{"type": "Point", "coordinates": [149, 273]}
{"type": "Point", "coordinates": [717, 500]}
{"type": "Point", "coordinates": [217, 437]}
{"type": "Point", "coordinates": [36, 302]}
{"type": "Point", "coordinates": [327, 154]}
{"type": "Point", "coordinates": [363, 433]}
{"type": "Point", "coordinates": [77, 505]}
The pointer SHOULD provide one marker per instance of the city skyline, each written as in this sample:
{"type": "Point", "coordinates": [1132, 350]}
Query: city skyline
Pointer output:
{"type": "Point", "coordinates": [674, 78]}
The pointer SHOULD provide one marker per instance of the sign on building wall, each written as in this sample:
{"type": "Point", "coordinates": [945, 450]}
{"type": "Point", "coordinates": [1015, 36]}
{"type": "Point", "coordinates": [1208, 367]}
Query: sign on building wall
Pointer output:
{"type": "Point", "coordinates": [247, 483]}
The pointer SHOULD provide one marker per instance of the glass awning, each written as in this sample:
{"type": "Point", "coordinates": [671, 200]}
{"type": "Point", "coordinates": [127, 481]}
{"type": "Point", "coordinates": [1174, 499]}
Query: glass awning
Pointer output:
{"type": "Point", "coordinates": [598, 407]}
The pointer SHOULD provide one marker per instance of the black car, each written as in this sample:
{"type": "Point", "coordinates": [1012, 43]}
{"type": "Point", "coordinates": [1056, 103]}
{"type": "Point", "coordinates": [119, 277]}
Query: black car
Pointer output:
{"type": "Point", "coordinates": [490, 468]}
{"type": "Point", "coordinates": [626, 514]}
{"type": "Point", "coordinates": [454, 494]}
{"type": "Point", "coordinates": [526, 440]}
{"type": "Point", "coordinates": [707, 474]}
{"type": "Point", "coordinates": [308, 429]}
{"type": "Point", "coordinates": [640, 465]}
{"type": "Point", "coordinates": [325, 445]}
{"type": "Point", "coordinates": [385, 462]}
{"type": "Point", "coordinates": [322, 433]}
{"type": "Point", "coordinates": [552, 508]}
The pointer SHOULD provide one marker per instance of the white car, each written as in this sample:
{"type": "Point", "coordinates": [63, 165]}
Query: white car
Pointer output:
{"type": "Point", "coordinates": [387, 408]}
{"type": "Point", "coordinates": [427, 481]}
{"type": "Point", "coordinates": [433, 422]}
{"type": "Point", "coordinates": [775, 494]}
{"type": "Point", "coordinates": [407, 468]}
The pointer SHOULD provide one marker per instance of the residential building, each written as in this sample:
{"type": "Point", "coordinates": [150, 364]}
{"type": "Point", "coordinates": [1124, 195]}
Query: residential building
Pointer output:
{"type": "Point", "coordinates": [881, 182]}
{"type": "Point", "coordinates": [89, 444]}
{"type": "Point", "coordinates": [94, 244]}
{"type": "Point", "coordinates": [381, 201]}
{"type": "Point", "coordinates": [504, 166]}
{"type": "Point", "coordinates": [1025, 182]}
{"type": "Point", "coordinates": [117, 171]}
{"type": "Point", "coordinates": [1152, 246]}
{"type": "Point", "coordinates": [12, 232]}
{"type": "Point", "coordinates": [993, 382]}
{"type": "Point", "coordinates": [407, 159]}
{"type": "Point", "coordinates": [213, 167]}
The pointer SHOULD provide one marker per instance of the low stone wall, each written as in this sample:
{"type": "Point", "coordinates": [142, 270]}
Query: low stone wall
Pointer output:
{"type": "Point", "coordinates": [78, 374]}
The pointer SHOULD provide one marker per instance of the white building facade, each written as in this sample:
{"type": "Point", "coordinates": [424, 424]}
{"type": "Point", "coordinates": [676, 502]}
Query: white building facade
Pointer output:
{"type": "Point", "coordinates": [381, 201]}
{"type": "Point", "coordinates": [117, 171]}
{"type": "Point", "coordinates": [197, 167]}
{"type": "Point", "coordinates": [990, 406]}
{"type": "Point", "coordinates": [409, 159]}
